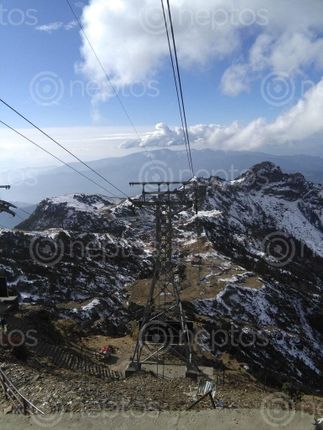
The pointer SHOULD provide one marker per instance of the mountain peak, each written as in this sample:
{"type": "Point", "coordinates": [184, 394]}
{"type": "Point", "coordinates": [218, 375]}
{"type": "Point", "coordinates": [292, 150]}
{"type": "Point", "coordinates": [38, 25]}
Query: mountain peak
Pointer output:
{"type": "Point", "coordinates": [267, 173]}
{"type": "Point", "coordinates": [263, 173]}
{"type": "Point", "coordinates": [266, 167]}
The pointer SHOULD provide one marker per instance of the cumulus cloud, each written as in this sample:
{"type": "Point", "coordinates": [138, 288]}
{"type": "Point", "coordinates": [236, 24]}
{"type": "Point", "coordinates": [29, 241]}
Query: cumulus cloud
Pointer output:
{"type": "Point", "coordinates": [288, 55]}
{"type": "Point", "coordinates": [129, 37]}
{"type": "Point", "coordinates": [162, 136]}
{"type": "Point", "coordinates": [301, 123]}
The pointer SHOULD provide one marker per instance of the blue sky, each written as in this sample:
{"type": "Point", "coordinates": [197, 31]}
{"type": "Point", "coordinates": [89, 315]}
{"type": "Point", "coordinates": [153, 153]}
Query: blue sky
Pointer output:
{"type": "Point", "coordinates": [26, 52]}
{"type": "Point", "coordinates": [225, 69]}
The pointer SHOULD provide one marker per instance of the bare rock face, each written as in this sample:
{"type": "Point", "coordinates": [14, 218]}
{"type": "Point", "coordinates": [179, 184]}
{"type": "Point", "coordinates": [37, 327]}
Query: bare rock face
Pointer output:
{"type": "Point", "coordinates": [262, 270]}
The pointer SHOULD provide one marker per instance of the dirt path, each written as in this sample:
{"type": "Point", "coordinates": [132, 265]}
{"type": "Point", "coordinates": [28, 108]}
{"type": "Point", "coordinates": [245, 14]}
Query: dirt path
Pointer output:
{"type": "Point", "coordinates": [219, 420]}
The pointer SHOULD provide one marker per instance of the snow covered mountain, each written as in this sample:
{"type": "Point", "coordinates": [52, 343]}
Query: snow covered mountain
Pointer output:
{"type": "Point", "coordinates": [271, 224]}
{"type": "Point", "coordinates": [78, 260]}
{"type": "Point", "coordinates": [264, 202]}
{"type": "Point", "coordinates": [261, 278]}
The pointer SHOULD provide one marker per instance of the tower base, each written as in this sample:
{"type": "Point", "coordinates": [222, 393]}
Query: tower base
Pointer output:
{"type": "Point", "coordinates": [132, 369]}
{"type": "Point", "coordinates": [192, 373]}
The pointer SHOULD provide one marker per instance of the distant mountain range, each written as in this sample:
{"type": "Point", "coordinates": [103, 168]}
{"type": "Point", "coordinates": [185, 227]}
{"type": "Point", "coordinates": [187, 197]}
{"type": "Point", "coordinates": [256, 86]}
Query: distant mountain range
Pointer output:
{"type": "Point", "coordinates": [153, 165]}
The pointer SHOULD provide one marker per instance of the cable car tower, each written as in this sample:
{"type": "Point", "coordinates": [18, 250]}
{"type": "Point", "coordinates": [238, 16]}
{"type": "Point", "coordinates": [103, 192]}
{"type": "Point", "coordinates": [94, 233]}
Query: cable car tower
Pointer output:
{"type": "Point", "coordinates": [5, 206]}
{"type": "Point", "coordinates": [164, 329]}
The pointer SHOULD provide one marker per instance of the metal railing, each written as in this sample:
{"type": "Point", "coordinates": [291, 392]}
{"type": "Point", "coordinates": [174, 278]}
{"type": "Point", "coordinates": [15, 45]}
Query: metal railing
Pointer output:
{"type": "Point", "coordinates": [19, 402]}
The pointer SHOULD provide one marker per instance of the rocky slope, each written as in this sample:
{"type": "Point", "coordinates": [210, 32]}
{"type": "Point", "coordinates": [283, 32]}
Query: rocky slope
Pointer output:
{"type": "Point", "coordinates": [271, 224]}
{"type": "Point", "coordinates": [258, 291]}
{"type": "Point", "coordinates": [77, 260]}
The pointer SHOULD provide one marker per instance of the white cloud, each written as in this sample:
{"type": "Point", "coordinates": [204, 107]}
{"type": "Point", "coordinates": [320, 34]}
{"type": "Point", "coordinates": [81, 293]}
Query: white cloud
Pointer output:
{"type": "Point", "coordinates": [288, 55]}
{"type": "Point", "coordinates": [71, 25]}
{"type": "Point", "coordinates": [235, 80]}
{"type": "Point", "coordinates": [49, 28]}
{"type": "Point", "coordinates": [129, 38]}
{"type": "Point", "coordinates": [162, 136]}
{"type": "Point", "coordinates": [302, 123]}
{"type": "Point", "coordinates": [55, 26]}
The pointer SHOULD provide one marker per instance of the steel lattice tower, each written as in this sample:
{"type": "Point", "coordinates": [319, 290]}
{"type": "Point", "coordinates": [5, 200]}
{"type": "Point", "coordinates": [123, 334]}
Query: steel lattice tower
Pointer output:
{"type": "Point", "coordinates": [164, 315]}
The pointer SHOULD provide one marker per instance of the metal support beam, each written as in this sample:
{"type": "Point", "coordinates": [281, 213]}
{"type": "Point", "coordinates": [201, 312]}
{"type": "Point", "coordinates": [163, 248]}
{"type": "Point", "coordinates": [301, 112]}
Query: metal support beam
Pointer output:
{"type": "Point", "coordinates": [163, 307]}
{"type": "Point", "coordinates": [5, 206]}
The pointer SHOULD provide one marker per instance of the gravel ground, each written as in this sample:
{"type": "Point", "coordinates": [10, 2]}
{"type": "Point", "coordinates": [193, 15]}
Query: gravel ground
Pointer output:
{"type": "Point", "coordinates": [56, 390]}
